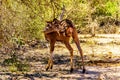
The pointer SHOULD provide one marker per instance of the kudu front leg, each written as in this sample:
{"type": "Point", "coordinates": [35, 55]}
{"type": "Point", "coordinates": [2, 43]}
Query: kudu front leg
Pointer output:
{"type": "Point", "coordinates": [50, 61]}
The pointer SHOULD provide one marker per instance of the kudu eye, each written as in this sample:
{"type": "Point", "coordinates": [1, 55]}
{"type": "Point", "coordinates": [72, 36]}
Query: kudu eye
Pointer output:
{"type": "Point", "coordinates": [48, 25]}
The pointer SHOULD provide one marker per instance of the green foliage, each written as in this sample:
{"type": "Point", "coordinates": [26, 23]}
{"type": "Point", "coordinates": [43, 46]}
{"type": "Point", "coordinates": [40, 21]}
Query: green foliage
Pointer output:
{"type": "Point", "coordinates": [11, 61]}
{"type": "Point", "coordinates": [15, 65]}
{"type": "Point", "coordinates": [111, 8]}
{"type": "Point", "coordinates": [100, 11]}
{"type": "Point", "coordinates": [18, 41]}
{"type": "Point", "coordinates": [26, 18]}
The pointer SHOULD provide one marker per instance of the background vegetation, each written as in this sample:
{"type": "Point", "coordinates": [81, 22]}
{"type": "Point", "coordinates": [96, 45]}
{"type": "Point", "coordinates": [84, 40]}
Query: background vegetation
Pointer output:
{"type": "Point", "coordinates": [23, 20]}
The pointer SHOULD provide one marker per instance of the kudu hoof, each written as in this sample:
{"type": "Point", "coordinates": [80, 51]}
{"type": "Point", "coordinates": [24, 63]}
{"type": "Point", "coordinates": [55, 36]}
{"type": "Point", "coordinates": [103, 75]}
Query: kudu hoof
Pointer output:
{"type": "Point", "coordinates": [47, 68]}
{"type": "Point", "coordinates": [71, 70]}
{"type": "Point", "coordinates": [51, 66]}
{"type": "Point", "coordinates": [84, 70]}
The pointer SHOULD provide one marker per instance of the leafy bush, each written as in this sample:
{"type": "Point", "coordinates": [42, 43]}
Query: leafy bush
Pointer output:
{"type": "Point", "coordinates": [15, 65]}
{"type": "Point", "coordinates": [26, 18]}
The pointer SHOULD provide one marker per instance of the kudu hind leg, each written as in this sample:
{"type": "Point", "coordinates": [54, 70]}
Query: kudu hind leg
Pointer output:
{"type": "Point", "coordinates": [71, 55]}
{"type": "Point", "coordinates": [81, 53]}
{"type": "Point", "coordinates": [50, 61]}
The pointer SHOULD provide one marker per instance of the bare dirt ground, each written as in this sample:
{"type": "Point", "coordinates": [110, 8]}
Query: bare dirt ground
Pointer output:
{"type": "Point", "coordinates": [102, 63]}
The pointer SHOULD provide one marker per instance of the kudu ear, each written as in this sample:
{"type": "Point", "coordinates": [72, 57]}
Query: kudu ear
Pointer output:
{"type": "Point", "coordinates": [56, 21]}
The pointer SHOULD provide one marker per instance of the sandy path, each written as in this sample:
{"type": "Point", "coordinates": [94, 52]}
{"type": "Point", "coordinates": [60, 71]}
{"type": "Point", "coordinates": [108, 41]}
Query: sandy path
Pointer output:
{"type": "Point", "coordinates": [38, 59]}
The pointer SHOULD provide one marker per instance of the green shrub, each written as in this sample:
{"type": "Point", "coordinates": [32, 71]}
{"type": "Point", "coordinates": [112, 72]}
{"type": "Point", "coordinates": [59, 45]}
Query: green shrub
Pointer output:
{"type": "Point", "coordinates": [15, 65]}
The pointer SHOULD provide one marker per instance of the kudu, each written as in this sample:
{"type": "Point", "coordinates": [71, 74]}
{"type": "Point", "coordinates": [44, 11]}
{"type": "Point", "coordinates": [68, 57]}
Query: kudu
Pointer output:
{"type": "Point", "coordinates": [62, 31]}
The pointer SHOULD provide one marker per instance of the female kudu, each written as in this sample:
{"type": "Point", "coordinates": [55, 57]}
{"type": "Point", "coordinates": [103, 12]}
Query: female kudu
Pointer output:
{"type": "Point", "coordinates": [62, 31]}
